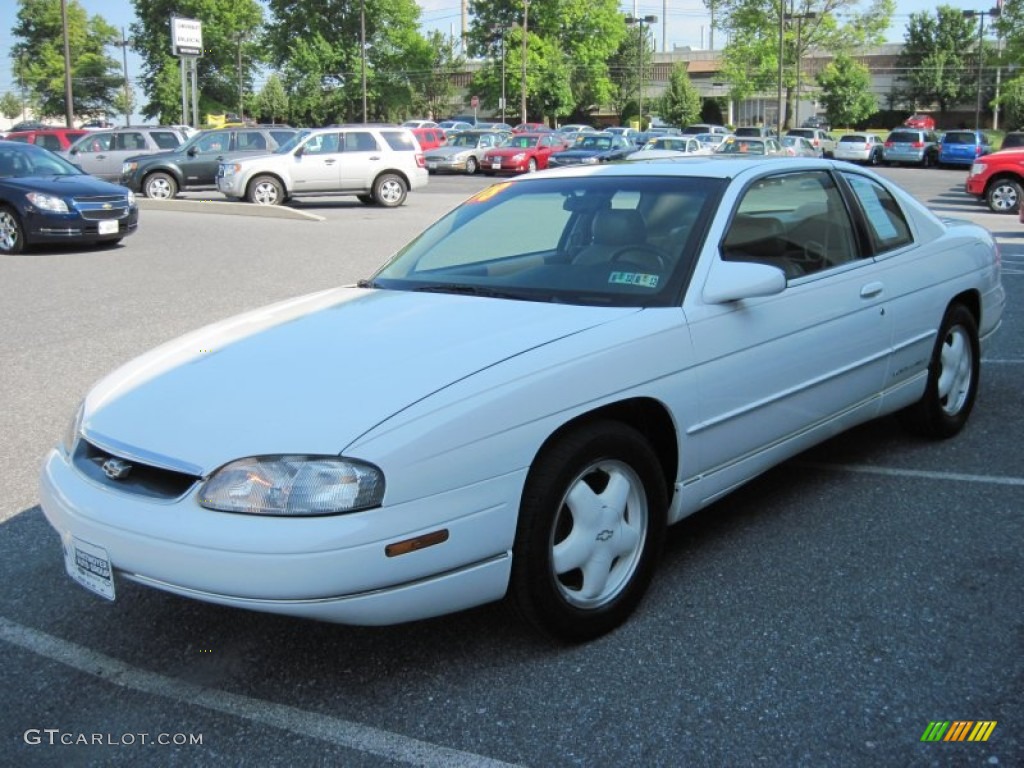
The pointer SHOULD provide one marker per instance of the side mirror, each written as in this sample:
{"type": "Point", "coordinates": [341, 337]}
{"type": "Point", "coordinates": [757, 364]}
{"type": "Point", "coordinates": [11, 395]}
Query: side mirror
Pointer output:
{"type": "Point", "coordinates": [736, 280]}
{"type": "Point", "coordinates": [192, 151]}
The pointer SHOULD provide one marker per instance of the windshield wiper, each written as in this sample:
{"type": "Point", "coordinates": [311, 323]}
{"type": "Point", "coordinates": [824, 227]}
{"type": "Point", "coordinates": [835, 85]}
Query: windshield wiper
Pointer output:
{"type": "Point", "coordinates": [475, 290]}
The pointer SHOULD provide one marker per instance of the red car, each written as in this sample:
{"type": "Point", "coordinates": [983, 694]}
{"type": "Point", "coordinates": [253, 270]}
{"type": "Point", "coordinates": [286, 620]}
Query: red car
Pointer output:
{"type": "Point", "coordinates": [430, 138]}
{"type": "Point", "coordinates": [998, 179]}
{"type": "Point", "coordinates": [922, 122]}
{"type": "Point", "coordinates": [525, 152]}
{"type": "Point", "coordinates": [54, 139]}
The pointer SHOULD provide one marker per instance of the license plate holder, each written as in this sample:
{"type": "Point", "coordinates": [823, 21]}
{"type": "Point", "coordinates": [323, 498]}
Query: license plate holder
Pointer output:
{"type": "Point", "coordinates": [89, 565]}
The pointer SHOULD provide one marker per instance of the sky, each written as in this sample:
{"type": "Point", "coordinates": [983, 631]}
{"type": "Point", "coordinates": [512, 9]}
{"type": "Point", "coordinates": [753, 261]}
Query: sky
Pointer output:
{"type": "Point", "coordinates": [681, 23]}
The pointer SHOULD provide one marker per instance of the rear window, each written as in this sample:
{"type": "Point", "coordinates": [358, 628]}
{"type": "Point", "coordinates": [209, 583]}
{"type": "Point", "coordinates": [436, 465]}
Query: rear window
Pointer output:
{"type": "Point", "coordinates": [400, 141]}
{"type": "Point", "coordinates": [853, 138]}
{"type": "Point", "coordinates": [807, 134]}
{"type": "Point", "coordinates": [905, 136]}
{"type": "Point", "coordinates": [747, 132]}
{"type": "Point", "coordinates": [960, 137]}
{"type": "Point", "coordinates": [1013, 140]}
{"type": "Point", "coordinates": [166, 139]}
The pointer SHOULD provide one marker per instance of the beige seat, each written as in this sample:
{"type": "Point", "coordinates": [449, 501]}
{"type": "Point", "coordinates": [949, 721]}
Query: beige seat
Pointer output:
{"type": "Point", "coordinates": [612, 232]}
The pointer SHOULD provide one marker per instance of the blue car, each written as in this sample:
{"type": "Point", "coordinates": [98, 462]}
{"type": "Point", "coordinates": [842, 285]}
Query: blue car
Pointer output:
{"type": "Point", "coordinates": [46, 199]}
{"type": "Point", "coordinates": [962, 148]}
{"type": "Point", "coordinates": [593, 148]}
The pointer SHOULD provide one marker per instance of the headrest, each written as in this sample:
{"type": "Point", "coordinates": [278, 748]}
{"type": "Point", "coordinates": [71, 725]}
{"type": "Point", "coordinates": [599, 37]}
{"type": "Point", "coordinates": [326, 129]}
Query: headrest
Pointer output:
{"type": "Point", "coordinates": [619, 227]}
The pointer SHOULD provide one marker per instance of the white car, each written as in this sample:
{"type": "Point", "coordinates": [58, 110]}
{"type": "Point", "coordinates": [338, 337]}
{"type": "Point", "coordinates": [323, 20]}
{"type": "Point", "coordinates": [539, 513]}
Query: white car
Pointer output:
{"type": "Point", "coordinates": [525, 396]}
{"type": "Point", "coordinates": [378, 164]}
{"type": "Point", "coordinates": [670, 146]}
{"type": "Point", "coordinates": [860, 148]}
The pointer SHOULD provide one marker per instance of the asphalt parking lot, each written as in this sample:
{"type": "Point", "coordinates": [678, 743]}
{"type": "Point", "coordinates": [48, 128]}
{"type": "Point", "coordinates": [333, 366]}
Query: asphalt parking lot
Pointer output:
{"type": "Point", "coordinates": [823, 615]}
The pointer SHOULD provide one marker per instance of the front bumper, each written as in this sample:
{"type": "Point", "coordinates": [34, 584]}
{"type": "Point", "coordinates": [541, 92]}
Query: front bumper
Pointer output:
{"type": "Point", "coordinates": [329, 568]}
{"type": "Point", "coordinates": [45, 227]}
{"type": "Point", "coordinates": [232, 186]}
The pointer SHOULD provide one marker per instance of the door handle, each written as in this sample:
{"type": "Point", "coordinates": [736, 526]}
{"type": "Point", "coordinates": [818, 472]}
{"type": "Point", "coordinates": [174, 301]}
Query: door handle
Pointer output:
{"type": "Point", "coordinates": [329, 162]}
{"type": "Point", "coordinates": [870, 290]}
{"type": "Point", "coordinates": [375, 157]}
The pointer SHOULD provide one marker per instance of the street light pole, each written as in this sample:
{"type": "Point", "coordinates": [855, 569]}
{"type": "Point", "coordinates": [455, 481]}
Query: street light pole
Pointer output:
{"type": "Point", "coordinates": [799, 18]}
{"type": "Point", "coordinates": [69, 104]}
{"type": "Point", "coordinates": [640, 21]}
{"type": "Point", "coordinates": [992, 13]}
{"type": "Point", "coordinates": [502, 30]}
{"type": "Point", "coordinates": [362, 51]}
{"type": "Point", "coordinates": [522, 105]}
{"type": "Point", "coordinates": [123, 45]}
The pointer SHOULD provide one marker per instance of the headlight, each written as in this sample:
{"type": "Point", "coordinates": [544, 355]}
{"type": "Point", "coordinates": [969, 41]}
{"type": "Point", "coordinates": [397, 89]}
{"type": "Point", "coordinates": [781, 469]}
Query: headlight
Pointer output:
{"type": "Point", "coordinates": [70, 436]}
{"type": "Point", "coordinates": [131, 199]}
{"type": "Point", "coordinates": [127, 169]}
{"type": "Point", "coordinates": [230, 169]}
{"type": "Point", "coordinates": [45, 202]}
{"type": "Point", "coordinates": [590, 160]}
{"type": "Point", "coordinates": [293, 486]}
{"type": "Point", "coordinates": [520, 156]}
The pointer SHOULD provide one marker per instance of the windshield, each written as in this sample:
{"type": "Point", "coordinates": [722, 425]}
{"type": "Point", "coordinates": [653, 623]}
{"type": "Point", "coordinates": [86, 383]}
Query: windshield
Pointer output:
{"type": "Point", "coordinates": [465, 140]}
{"type": "Point", "coordinates": [606, 240]}
{"type": "Point", "coordinates": [292, 143]}
{"type": "Point", "coordinates": [25, 160]}
{"type": "Point", "coordinates": [595, 142]}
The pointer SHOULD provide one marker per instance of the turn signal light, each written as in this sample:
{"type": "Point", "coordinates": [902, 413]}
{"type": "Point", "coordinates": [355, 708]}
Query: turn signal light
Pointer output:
{"type": "Point", "coordinates": [419, 542]}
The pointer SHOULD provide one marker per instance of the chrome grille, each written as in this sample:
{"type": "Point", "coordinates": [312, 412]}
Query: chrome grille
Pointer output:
{"type": "Point", "coordinates": [142, 479]}
{"type": "Point", "coordinates": [99, 207]}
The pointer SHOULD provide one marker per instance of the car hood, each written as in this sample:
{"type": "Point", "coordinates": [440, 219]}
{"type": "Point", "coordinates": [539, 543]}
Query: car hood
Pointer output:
{"type": "Point", "coordinates": [509, 151]}
{"type": "Point", "coordinates": [154, 156]}
{"type": "Point", "coordinates": [64, 186]}
{"type": "Point", "coordinates": [449, 151]}
{"type": "Point", "coordinates": [312, 374]}
{"type": "Point", "coordinates": [583, 153]}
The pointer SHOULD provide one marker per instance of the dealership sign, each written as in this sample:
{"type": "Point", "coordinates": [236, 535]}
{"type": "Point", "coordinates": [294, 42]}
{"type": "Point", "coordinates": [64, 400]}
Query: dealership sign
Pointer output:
{"type": "Point", "coordinates": [186, 37]}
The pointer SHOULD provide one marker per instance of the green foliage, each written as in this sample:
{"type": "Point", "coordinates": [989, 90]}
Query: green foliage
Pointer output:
{"type": "Point", "coordinates": [936, 59]}
{"type": "Point", "coordinates": [569, 44]}
{"type": "Point", "coordinates": [844, 84]}
{"type": "Point", "coordinates": [38, 57]}
{"type": "Point", "coordinates": [628, 71]}
{"type": "Point", "coordinates": [10, 105]}
{"type": "Point", "coordinates": [751, 58]}
{"type": "Point", "coordinates": [680, 105]}
{"type": "Point", "coordinates": [272, 101]}
{"type": "Point", "coordinates": [1012, 103]}
{"type": "Point", "coordinates": [231, 30]}
{"type": "Point", "coordinates": [433, 92]}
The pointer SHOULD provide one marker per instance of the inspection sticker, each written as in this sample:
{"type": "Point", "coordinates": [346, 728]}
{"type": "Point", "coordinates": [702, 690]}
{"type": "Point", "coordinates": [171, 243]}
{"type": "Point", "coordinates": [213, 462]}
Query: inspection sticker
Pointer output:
{"type": "Point", "coordinates": [634, 278]}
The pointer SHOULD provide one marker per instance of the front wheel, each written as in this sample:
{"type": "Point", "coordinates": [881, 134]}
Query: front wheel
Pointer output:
{"type": "Point", "coordinates": [389, 190]}
{"type": "Point", "coordinates": [952, 378]}
{"type": "Point", "coordinates": [591, 526]}
{"type": "Point", "coordinates": [531, 166]}
{"type": "Point", "coordinates": [161, 186]}
{"type": "Point", "coordinates": [1003, 196]}
{"type": "Point", "coordinates": [472, 166]}
{"type": "Point", "coordinates": [12, 234]}
{"type": "Point", "coordinates": [265, 190]}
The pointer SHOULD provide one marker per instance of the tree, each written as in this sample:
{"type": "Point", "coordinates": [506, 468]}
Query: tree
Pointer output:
{"type": "Point", "coordinates": [232, 30]}
{"type": "Point", "coordinates": [316, 43]}
{"type": "Point", "coordinates": [844, 84]}
{"type": "Point", "coordinates": [751, 58]}
{"type": "Point", "coordinates": [569, 43]}
{"type": "Point", "coordinates": [38, 57]}
{"type": "Point", "coordinates": [936, 57]}
{"type": "Point", "coordinates": [626, 68]}
{"type": "Point", "coordinates": [272, 101]}
{"type": "Point", "coordinates": [10, 105]}
{"type": "Point", "coordinates": [680, 104]}
{"type": "Point", "coordinates": [433, 89]}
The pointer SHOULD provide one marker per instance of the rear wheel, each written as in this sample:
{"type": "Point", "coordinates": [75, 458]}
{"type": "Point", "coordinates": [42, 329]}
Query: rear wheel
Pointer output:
{"type": "Point", "coordinates": [12, 234]}
{"type": "Point", "coordinates": [160, 186]}
{"type": "Point", "coordinates": [265, 190]}
{"type": "Point", "coordinates": [952, 378]}
{"type": "Point", "coordinates": [1003, 196]}
{"type": "Point", "coordinates": [389, 190]}
{"type": "Point", "coordinates": [590, 530]}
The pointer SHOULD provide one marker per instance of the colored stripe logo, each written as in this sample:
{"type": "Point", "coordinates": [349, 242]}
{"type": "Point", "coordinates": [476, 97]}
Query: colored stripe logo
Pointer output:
{"type": "Point", "coordinates": [958, 730]}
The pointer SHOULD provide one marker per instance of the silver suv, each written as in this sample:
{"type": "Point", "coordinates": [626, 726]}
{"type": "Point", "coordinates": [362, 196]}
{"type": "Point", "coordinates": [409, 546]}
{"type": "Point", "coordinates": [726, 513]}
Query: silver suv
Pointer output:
{"type": "Point", "coordinates": [101, 153]}
{"type": "Point", "coordinates": [378, 164]}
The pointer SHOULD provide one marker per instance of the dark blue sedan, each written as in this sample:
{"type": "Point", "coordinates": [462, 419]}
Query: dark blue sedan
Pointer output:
{"type": "Point", "coordinates": [593, 148]}
{"type": "Point", "coordinates": [45, 199]}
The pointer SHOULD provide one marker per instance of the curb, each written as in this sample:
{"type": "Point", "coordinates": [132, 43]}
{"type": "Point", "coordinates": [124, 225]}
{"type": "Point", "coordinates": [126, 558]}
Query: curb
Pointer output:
{"type": "Point", "coordinates": [225, 208]}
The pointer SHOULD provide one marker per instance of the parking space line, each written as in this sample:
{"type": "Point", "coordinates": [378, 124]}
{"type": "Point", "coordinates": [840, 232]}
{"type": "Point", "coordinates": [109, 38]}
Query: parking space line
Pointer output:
{"type": "Point", "coordinates": [342, 733]}
{"type": "Point", "coordinates": [917, 473]}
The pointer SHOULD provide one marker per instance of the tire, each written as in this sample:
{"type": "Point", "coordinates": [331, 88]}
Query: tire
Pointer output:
{"type": "Point", "coordinates": [926, 161]}
{"type": "Point", "coordinates": [952, 378]}
{"type": "Point", "coordinates": [590, 531]}
{"type": "Point", "coordinates": [389, 190]}
{"type": "Point", "coordinates": [265, 190]}
{"type": "Point", "coordinates": [875, 159]}
{"type": "Point", "coordinates": [472, 166]}
{"type": "Point", "coordinates": [531, 166]}
{"type": "Point", "coordinates": [365, 199]}
{"type": "Point", "coordinates": [12, 233]}
{"type": "Point", "coordinates": [160, 186]}
{"type": "Point", "coordinates": [1003, 196]}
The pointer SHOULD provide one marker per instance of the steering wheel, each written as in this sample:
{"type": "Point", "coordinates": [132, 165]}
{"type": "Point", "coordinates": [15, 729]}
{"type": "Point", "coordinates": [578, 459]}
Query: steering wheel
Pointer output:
{"type": "Point", "coordinates": [647, 256]}
{"type": "Point", "coordinates": [811, 258]}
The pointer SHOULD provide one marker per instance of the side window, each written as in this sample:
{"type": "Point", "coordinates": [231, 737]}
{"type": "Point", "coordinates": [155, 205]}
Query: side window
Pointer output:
{"type": "Point", "coordinates": [794, 221]}
{"type": "Point", "coordinates": [100, 143]}
{"type": "Point", "coordinates": [886, 223]}
{"type": "Point", "coordinates": [322, 144]}
{"type": "Point", "coordinates": [129, 140]}
{"type": "Point", "coordinates": [212, 142]}
{"type": "Point", "coordinates": [398, 140]}
{"type": "Point", "coordinates": [165, 139]}
{"type": "Point", "coordinates": [360, 141]}
{"type": "Point", "coordinates": [282, 137]}
{"type": "Point", "coordinates": [50, 142]}
{"type": "Point", "coordinates": [251, 140]}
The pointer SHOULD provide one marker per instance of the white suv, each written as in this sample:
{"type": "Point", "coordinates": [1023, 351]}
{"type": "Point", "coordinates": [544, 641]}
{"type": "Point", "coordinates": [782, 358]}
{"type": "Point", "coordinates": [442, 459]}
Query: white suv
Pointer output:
{"type": "Point", "coordinates": [378, 164]}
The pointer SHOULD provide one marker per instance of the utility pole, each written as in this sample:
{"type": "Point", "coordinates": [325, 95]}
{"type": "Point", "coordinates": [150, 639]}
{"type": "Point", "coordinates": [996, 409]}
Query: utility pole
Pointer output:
{"type": "Point", "coordinates": [123, 45]}
{"type": "Point", "coordinates": [69, 103]}
{"type": "Point", "coordinates": [522, 106]}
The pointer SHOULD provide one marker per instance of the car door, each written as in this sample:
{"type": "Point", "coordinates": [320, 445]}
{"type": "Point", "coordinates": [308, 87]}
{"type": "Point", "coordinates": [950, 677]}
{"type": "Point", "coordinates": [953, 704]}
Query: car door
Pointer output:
{"type": "Point", "coordinates": [360, 159]}
{"type": "Point", "coordinates": [202, 159]}
{"type": "Point", "coordinates": [318, 165]}
{"type": "Point", "coordinates": [126, 144]}
{"type": "Point", "coordinates": [776, 369]}
{"type": "Point", "coordinates": [90, 152]}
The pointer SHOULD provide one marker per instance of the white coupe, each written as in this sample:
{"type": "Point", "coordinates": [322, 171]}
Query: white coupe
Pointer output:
{"type": "Point", "coordinates": [523, 398]}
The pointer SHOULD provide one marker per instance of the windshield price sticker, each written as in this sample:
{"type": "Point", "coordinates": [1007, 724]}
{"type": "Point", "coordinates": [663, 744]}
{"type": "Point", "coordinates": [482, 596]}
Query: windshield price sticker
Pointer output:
{"type": "Point", "coordinates": [633, 278]}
